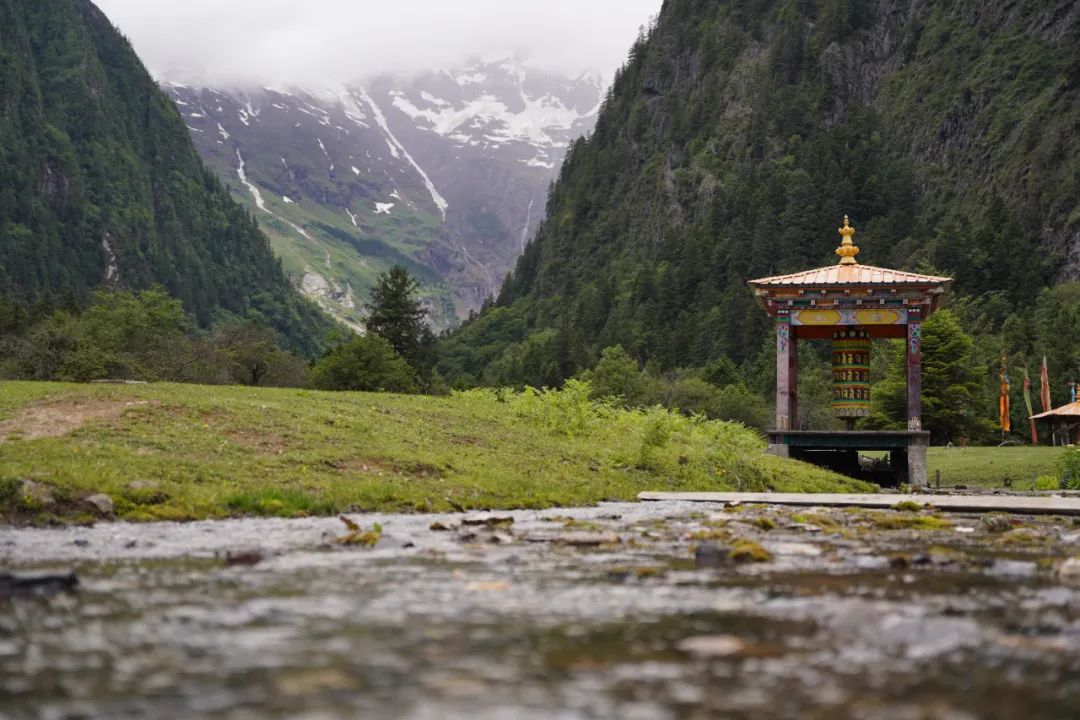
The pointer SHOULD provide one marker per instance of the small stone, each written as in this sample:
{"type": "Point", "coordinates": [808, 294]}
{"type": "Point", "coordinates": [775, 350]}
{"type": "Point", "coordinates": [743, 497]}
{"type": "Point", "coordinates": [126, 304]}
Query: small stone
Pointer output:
{"type": "Point", "coordinates": [708, 556]}
{"type": "Point", "coordinates": [45, 583]}
{"type": "Point", "coordinates": [588, 539]}
{"type": "Point", "coordinates": [244, 558]}
{"type": "Point", "coordinates": [439, 527]}
{"type": "Point", "coordinates": [37, 494]}
{"type": "Point", "coordinates": [712, 645]}
{"type": "Point", "coordinates": [488, 520]}
{"type": "Point", "coordinates": [101, 502]}
{"type": "Point", "coordinates": [1069, 572]}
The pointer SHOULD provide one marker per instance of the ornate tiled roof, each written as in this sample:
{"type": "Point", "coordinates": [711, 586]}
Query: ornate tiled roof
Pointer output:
{"type": "Point", "coordinates": [845, 275]}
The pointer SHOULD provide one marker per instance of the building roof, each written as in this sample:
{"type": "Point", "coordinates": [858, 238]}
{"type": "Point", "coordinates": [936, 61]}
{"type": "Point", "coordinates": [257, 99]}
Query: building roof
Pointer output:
{"type": "Point", "coordinates": [851, 275]}
{"type": "Point", "coordinates": [1072, 410]}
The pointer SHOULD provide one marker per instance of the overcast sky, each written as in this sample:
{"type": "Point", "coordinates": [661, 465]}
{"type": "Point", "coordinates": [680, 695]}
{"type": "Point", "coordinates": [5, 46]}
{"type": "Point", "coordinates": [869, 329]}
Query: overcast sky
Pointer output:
{"type": "Point", "coordinates": [307, 41]}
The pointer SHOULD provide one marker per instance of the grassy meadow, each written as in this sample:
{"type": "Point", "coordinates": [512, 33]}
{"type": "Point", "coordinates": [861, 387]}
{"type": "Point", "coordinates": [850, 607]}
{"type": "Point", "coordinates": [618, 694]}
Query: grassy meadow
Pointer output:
{"type": "Point", "coordinates": [1018, 467]}
{"type": "Point", "coordinates": [182, 452]}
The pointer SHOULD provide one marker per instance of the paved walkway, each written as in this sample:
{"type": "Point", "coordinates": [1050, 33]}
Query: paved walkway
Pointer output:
{"type": "Point", "coordinates": [1036, 505]}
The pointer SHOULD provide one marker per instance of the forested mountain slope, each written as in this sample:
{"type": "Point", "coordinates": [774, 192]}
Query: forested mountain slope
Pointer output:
{"type": "Point", "coordinates": [100, 184]}
{"type": "Point", "coordinates": [740, 132]}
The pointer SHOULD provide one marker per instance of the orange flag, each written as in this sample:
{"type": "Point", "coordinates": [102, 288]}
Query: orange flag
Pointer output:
{"type": "Point", "coordinates": [1003, 399]}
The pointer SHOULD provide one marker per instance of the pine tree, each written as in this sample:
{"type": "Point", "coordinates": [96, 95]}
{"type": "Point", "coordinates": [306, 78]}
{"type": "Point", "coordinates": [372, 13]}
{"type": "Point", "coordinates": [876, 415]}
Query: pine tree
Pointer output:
{"type": "Point", "coordinates": [395, 314]}
{"type": "Point", "coordinates": [952, 382]}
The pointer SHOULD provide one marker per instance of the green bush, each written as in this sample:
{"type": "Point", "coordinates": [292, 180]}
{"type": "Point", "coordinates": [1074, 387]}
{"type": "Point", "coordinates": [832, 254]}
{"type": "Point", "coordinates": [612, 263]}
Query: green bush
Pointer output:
{"type": "Point", "coordinates": [366, 363]}
{"type": "Point", "coordinates": [1069, 468]}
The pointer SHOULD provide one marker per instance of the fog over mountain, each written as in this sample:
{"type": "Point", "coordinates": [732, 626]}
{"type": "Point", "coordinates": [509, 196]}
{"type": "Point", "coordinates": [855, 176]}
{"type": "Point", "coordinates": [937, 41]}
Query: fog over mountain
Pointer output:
{"type": "Point", "coordinates": [284, 42]}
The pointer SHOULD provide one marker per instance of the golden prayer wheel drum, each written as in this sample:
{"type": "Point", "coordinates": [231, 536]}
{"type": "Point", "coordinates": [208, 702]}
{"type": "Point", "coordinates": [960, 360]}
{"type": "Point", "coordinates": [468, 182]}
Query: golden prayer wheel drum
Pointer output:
{"type": "Point", "coordinates": [851, 373]}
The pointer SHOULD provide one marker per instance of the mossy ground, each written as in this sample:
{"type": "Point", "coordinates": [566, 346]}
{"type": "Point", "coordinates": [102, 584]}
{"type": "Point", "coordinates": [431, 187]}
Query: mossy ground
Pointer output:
{"type": "Point", "coordinates": [181, 452]}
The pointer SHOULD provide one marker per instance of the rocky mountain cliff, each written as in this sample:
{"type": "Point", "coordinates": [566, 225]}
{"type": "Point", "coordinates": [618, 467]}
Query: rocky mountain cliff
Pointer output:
{"type": "Point", "coordinates": [740, 133]}
{"type": "Point", "coordinates": [100, 183]}
{"type": "Point", "coordinates": [446, 173]}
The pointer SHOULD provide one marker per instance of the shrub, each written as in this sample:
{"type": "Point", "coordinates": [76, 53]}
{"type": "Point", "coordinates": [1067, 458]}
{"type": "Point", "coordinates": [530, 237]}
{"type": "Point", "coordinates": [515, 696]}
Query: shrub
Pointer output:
{"type": "Point", "coordinates": [366, 363]}
{"type": "Point", "coordinates": [1068, 466]}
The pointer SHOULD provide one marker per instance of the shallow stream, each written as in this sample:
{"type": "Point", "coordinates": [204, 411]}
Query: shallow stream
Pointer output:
{"type": "Point", "coordinates": [621, 611]}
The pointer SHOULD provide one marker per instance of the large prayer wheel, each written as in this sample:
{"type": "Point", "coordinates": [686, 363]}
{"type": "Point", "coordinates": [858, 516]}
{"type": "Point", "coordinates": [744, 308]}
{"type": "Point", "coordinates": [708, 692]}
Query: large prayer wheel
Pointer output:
{"type": "Point", "coordinates": [851, 373]}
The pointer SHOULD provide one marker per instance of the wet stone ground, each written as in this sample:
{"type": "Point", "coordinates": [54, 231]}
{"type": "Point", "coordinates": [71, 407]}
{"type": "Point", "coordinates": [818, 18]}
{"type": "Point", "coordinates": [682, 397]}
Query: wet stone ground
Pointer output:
{"type": "Point", "coordinates": [659, 610]}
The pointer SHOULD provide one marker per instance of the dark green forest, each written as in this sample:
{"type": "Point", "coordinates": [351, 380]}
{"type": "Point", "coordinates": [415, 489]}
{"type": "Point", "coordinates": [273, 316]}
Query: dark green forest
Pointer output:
{"type": "Point", "coordinates": [740, 132]}
{"type": "Point", "coordinates": [100, 185]}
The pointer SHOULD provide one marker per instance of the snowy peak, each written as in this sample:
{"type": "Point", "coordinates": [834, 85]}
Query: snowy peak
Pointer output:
{"type": "Point", "coordinates": [445, 172]}
{"type": "Point", "coordinates": [498, 104]}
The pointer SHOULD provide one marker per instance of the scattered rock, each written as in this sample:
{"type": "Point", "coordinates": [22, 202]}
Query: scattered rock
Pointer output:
{"type": "Point", "coordinates": [1069, 572]}
{"type": "Point", "coordinates": [712, 645]}
{"type": "Point", "coordinates": [489, 586]}
{"type": "Point", "coordinates": [1022, 536]}
{"type": "Point", "coordinates": [488, 520]}
{"type": "Point", "coordinates": [40, 583]}
{"type": "Point", "coordinates": [36, 494]}
{"type": "Point", "coordinates": [500, 538]}
{"type": "Point", "coordinates": [708, 556]}
{"type": "Point", "coordinates": [440, 527]}
{"type": "Point", "coordinates": [795, 548]}
{"type": "Point", "coordinates": [392, 542]}
{"type": "Point", "coordinates": [244, 558]}
{"type": "Point", "coordinates": [81, 542]}
{"type": "Point", "coordinates": [996, 523]}
{"type": "Point", "coordinates": [748, 551]}
{"type": "Point", "coordinates": [900, 561]}
{"type": "Point", "coordinates": [100, 502]}
{"type": "Point", "coordinates": [588, 539]}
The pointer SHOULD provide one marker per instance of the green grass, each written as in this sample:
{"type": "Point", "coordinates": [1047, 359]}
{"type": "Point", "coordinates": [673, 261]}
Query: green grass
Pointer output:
{"type": "Point", "coordinates": [200, 452]}
{"type": "Point", "coordinates": [992, 466]}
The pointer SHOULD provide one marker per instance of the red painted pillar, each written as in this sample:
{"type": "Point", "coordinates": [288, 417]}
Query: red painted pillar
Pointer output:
{"type": "Point", "coordinates": [914, 369]}
{"type": "Point", "coordinates": [784, 347]}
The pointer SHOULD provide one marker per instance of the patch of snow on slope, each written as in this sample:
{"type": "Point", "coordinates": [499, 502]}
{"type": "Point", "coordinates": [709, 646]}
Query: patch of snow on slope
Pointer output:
{"type": "Point", "coordinates": [352, 217]}
{"type": "Point", "coordinates": [383, 208]}
{"type": "Point", "coordinates": [424, 94]}
{"type": "Point", "coordinates": [532, 123]}
{"type": "Point", "coordinates": [221, 130]}
{"type": "Point", "coordinates": [287, 200]}
{"type": "Point", "coordinates": [356, 170]}
{"type": "Point", "coordinates": [323, 148]}
{"type": "Point", "coordinates": [440, 201]}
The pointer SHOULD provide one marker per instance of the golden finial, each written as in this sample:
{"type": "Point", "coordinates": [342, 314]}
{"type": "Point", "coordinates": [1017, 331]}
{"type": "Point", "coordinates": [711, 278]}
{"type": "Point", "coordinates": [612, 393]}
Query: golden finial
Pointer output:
{"type": "Point", "coordinates": [847, 250]}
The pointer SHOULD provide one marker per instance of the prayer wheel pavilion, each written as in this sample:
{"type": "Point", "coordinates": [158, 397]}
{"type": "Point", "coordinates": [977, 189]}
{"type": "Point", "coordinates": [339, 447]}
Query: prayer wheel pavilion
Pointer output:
{"type": "Point", "coordinates": [849, 305]}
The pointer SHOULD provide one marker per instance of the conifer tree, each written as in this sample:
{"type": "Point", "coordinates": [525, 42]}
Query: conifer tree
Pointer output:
{"type": "Point", "coordinates": [395, 314]}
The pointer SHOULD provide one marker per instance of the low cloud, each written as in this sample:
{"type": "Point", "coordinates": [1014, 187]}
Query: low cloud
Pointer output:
{"type": "Point", "coordinates": [276, 42]}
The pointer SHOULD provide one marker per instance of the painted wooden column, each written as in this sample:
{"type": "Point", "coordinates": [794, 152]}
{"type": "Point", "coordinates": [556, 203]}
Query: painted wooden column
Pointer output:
{"type": "Point", "coordinates": [917, 445]}
{"type": "Point", "coordinates": [793, 377]}
{"type": "Point", "coordinates": [914, 369]}
{"type": "Point", "coordinates": [784, 365]}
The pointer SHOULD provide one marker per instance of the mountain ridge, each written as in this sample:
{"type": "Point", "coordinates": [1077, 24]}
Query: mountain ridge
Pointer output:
{"type": "Point", "coordinates": [736, 137]}
{"type": "Point", "coordinates": [445, 172]}
{"type": "Point", "coordinates": [102, 184]}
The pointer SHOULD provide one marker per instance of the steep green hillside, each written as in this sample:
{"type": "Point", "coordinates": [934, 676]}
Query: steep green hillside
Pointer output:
{"type": "Point", "coordinates": [99, 182]}
{"type": "Point", "coordinates": [741, 131]}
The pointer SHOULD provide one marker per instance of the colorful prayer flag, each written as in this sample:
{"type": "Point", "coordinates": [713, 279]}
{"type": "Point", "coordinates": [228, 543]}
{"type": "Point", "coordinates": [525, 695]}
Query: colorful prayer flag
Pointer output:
{"type": "Point", "coordinates": [1003, 398]}
{"type": "Point", "coordinates": [1044, 389]}
{"type": "Point", "coordinates": [1027, 401]}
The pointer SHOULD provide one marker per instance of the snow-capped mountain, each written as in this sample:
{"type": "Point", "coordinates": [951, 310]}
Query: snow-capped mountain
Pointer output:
{"type": "Point", "coordinates": [446, 172]}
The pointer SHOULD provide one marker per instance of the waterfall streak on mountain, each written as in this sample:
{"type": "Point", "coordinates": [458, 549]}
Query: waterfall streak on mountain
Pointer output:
{"type": "Point", "coordinates": [392, 141]}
